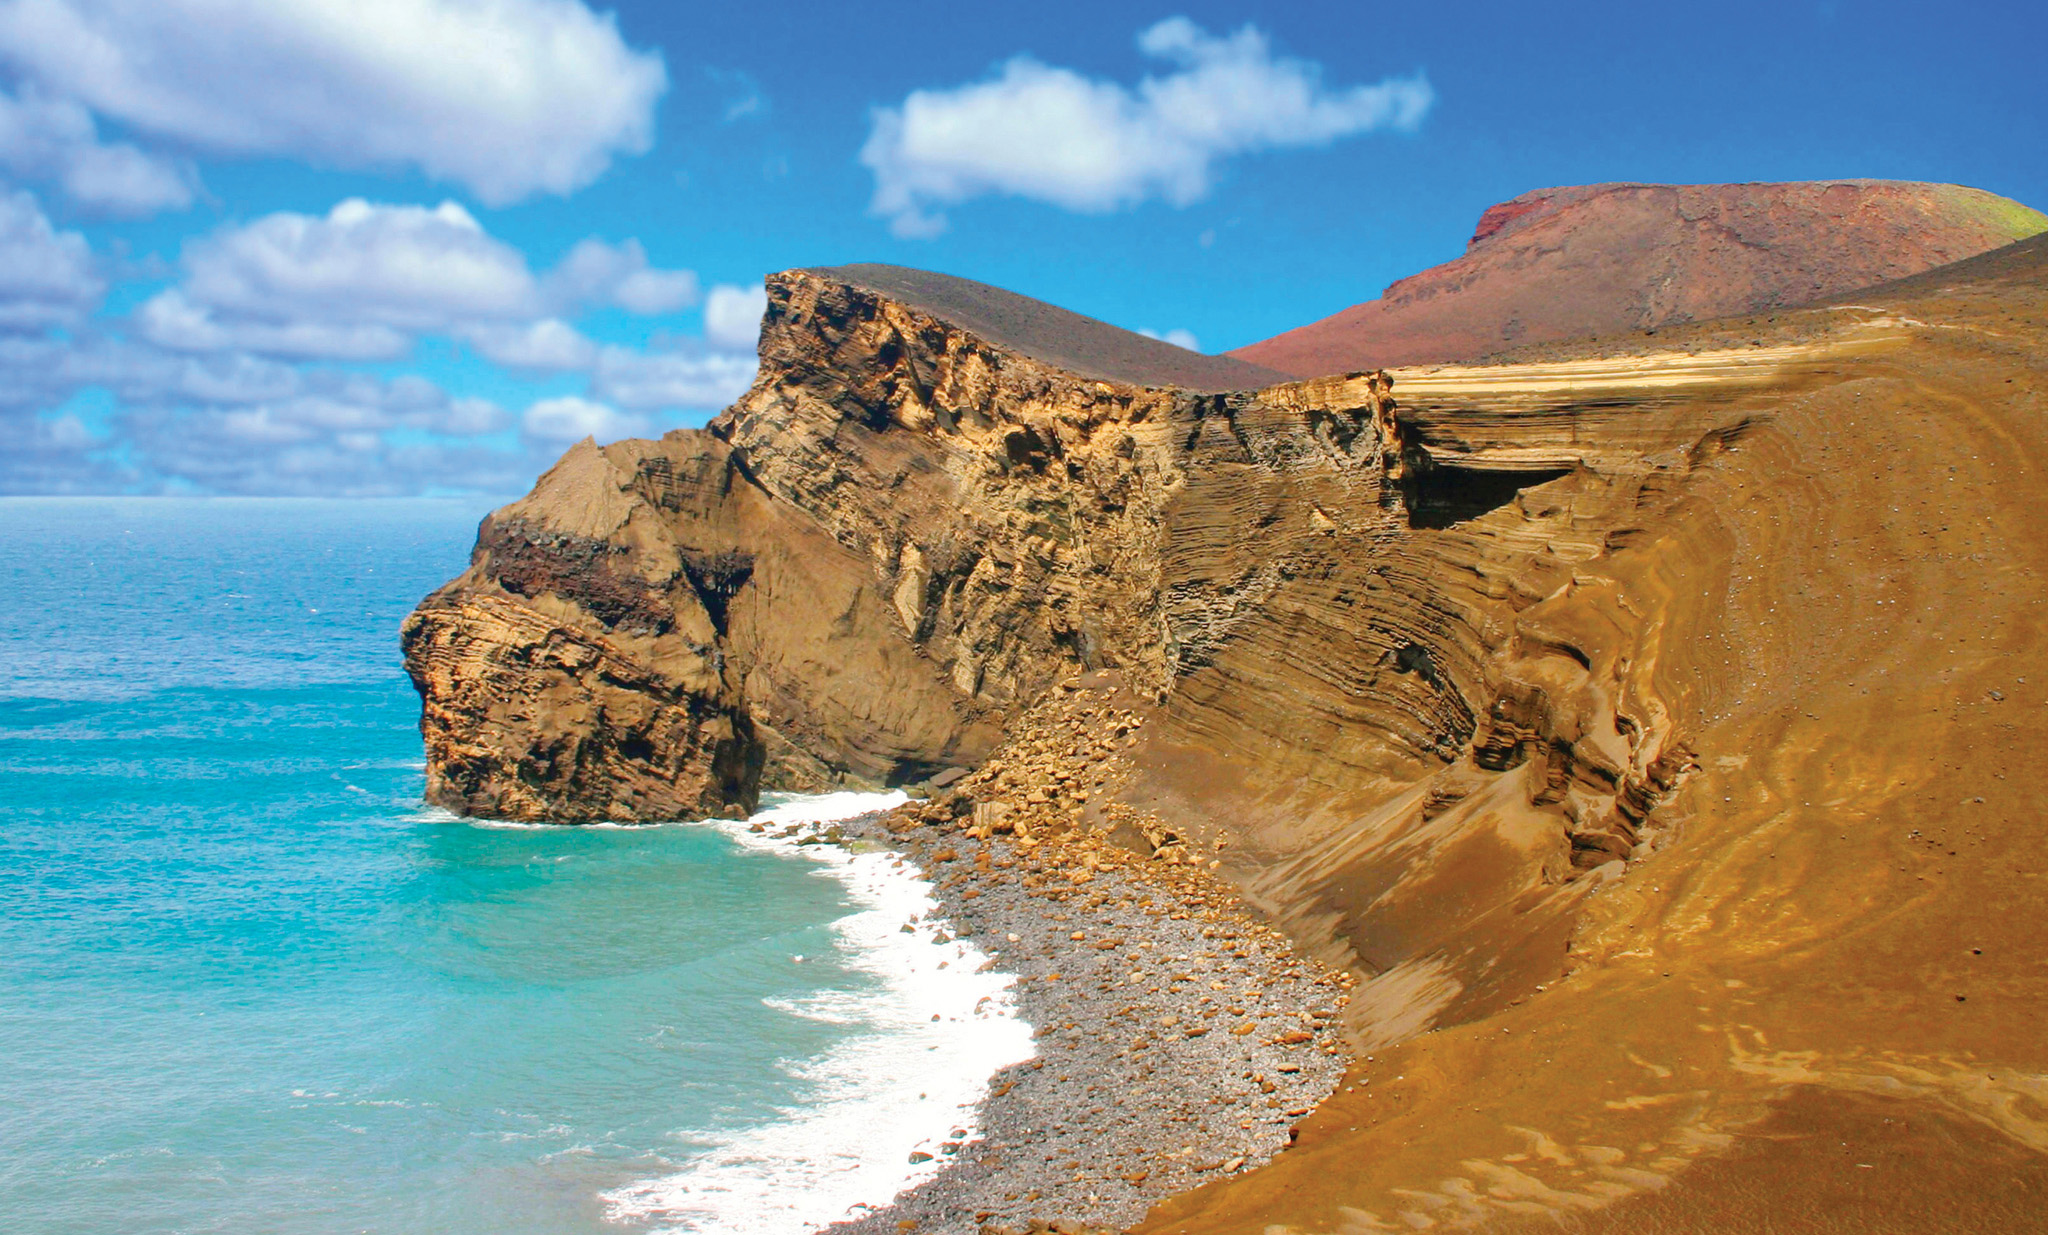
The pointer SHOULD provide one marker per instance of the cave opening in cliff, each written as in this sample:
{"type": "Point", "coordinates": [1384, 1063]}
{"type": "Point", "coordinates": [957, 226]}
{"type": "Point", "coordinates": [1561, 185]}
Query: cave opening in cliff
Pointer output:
{"type": "Point", "coordinates": [1439, 497]}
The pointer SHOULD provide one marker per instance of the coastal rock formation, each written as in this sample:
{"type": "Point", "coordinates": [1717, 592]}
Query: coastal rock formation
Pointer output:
{"type": "Point", "coordinates": [902, 533]}
{"type": "Point", "coordinates": [1602, 259]}
{"type": "Point", "coordinates": [1378, 649]}
{"type": "Point", "coordinates": [1634, 719]}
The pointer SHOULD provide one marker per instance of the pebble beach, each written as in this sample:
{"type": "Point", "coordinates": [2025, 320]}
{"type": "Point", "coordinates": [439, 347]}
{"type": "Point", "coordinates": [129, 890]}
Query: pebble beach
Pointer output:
{"type": "Point", "coordinates": [1178, 1038]}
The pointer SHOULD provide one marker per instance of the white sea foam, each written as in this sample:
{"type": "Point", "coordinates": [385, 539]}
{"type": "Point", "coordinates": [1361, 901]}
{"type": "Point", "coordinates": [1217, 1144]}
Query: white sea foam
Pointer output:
{"type": "Point", "coordinates": [934, 1028]}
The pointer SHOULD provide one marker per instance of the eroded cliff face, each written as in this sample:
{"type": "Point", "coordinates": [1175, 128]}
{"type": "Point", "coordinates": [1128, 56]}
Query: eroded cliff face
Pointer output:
{"type": "Point", "coordinates": [1379, 654]}
{"type": "Point", "coordinates": [1638, 718]}
{"type": "Point", "coordinates": [1806, 1005]}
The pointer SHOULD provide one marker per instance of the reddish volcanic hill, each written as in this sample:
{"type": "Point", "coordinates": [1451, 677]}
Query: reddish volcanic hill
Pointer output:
{"type": "Point", "coordinates": [1598, 259]}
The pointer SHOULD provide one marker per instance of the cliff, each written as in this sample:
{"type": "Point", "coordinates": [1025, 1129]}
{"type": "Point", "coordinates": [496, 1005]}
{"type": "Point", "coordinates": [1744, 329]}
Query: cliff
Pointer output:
{"type": "Point", "coordinates": [1569, 263]}
{"type": "Point", "coordinates": [1645, 723]}
{"type": "Point", "coordinates": [1810, 1003]}
{"type": "Point", "coordinates": [904, 532]}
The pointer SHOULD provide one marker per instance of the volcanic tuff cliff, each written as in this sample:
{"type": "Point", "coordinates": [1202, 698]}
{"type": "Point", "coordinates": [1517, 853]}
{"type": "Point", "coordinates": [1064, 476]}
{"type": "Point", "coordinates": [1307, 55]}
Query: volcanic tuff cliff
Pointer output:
{"type": "Point", "coordinates": [1639, 717]}
{"type": "Point", "coordinates": [1597, 259]}
{"type": "Point", "coordinates": [1381, 650]}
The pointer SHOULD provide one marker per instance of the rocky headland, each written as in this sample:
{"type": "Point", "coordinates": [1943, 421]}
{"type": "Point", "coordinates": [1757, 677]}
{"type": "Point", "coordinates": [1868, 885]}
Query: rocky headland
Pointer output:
{"type": "Point", "coordinates": [1632, 723]}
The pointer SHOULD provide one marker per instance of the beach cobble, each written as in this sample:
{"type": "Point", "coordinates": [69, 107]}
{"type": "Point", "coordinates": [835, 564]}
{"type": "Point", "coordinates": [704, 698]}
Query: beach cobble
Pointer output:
{"type": "Point", "coordinates": [1179, 1038]}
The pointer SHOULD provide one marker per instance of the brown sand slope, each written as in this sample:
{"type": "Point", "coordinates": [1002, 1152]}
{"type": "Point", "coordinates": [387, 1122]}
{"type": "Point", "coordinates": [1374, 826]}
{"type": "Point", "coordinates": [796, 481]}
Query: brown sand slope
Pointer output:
{"type": "Point", "coordinates": [1816, 1003]}
{"type": "Point", "coordinates": [1055, 336]}
{"type": "Point", "coordinates": [1597, 259]}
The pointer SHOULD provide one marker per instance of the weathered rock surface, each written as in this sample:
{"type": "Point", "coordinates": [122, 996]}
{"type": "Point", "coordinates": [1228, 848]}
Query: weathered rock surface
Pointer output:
{"type": "Point", "coordinates": [1636, 720]}
{"type": "Point", "coordinates": [1601, 259]}
{"type": "Point", "coordinates": [1380, 658]}
{"type": "Point", "coordinates": [1810, 1001]}
{"type": "Point", "coordinates": [646, 634]}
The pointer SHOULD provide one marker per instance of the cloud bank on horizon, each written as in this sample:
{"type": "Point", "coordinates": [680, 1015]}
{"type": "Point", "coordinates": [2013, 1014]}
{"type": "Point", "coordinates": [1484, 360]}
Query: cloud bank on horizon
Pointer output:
{"type": "Point", "coordinates": [401, 346]}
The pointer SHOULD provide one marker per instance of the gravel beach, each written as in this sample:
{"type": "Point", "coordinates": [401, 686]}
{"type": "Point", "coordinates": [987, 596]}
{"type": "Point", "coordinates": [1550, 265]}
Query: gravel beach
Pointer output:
{"type": "Point", "coordinates": [1178, 1037]}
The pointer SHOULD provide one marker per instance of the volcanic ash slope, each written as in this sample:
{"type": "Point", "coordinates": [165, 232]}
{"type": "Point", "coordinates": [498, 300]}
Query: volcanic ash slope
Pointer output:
{"type": "Point", "coordinates": [1599, 259]}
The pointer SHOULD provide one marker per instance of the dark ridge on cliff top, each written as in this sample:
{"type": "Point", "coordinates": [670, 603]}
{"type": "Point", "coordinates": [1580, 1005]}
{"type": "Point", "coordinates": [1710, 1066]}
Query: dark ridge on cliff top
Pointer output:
{"type": "Point", "coordinates": [1053, 335]}
{"type": "Point", "coordinates": [1591, 260]}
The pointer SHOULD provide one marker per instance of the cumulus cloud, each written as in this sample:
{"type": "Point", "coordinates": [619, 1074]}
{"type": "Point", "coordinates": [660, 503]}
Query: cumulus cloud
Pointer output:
{"type": "Point", "coordinates": [170, 319]}
{"type": "Point", "coordinates": [732, 316]}
{"type": "Point", "coordinates": [208, 381]}
{"type": "Point", "coordinates": [46, 276]}
{"type": "Point", "coordinates": [571, 419]}
{"type": "Point", "coordinates": [55, 141]}
{"type": "Point", "coordinates": [233, 423]}
{"type": "Point", "coordinates": [506, 97]}
{"type": "Point", "coordinates": [673, 380]}
{"type": "Point", "coordinates": [548, 344]}
{"type": "Point", "coordinates": [406, 267]}
{"type": "Point", "coordinates": [237, 424]}
{"type": "Point", "coordinates": [1179, 338]}
{"type": "Point", "coordinates": [1053, 135]}
{"type": "Point", "coordinates": [264, 450]}
{"type": "Point", "coordinates": [360, 282]}
{"type": "Point", "coordinates": [137, 374]}
{"type": "Point", "coordinates": [598, 273]}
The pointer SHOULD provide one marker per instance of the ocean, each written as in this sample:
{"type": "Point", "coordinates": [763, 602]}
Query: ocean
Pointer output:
{"type": "Point", "coordinates": [249, 982]}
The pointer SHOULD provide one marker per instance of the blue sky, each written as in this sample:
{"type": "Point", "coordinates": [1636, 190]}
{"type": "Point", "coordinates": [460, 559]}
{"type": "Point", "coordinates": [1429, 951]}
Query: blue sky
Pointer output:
{"type": "Point", "coordinates": [401, 246]}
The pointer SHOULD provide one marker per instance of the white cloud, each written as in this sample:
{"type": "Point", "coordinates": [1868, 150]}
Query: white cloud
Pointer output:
{"type": "Point", "coordinates": [1179, 338]}
{"type": "Point", "coordinates": [506, 97]}
{"type": "Point", "coordinates": [170, 320]}
{"type": "Point", "coordinates": [138, 375]}
{"type": "Point", "coordinates": [470, 417]}
{"type": "Point", "coordinates": [732, 316]}
{"type": "Point", "coordinates": [1052, 135]}
{"type": "Point", "coordinates": [548, 344]}
{"type": "Point", "coordinates": [236, 424]}
{"type": "Point", "coordinates": [598, 273]}
{"type": "Point", "coordinates": [55, 140]}
{"type": "Point", "coordinates": [360, 282]}
{"type": "Point", "coordinates": [407, 267]}
{"type": "Point", "coordinates": [46, 276]}
{"type": "Point", "coordinates": [279, 449]}
{"type": "Point", "coordinates": [683, 380]}
{"type": "Point", "coordinates": [571, 419]}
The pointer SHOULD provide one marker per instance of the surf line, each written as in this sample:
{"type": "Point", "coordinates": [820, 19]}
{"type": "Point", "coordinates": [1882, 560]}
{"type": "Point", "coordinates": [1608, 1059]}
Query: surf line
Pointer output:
{"type": "Point", "coordinates": [894, 1101]}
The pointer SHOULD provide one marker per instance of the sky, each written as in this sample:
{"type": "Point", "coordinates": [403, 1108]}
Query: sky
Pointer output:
{"type": "Point", "coordinates": [394, 247]}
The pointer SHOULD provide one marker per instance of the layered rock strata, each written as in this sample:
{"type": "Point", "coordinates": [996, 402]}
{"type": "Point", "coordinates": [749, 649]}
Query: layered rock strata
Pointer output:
{"type": "Point", "coordinates": [1369, 630]}
{"type": "Point", "coordinates": [1808, 1004]}
{"type": "Point", "coordinates": [1631, 721]}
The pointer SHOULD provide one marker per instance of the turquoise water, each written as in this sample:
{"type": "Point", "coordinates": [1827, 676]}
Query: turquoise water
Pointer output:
{"type": "Point", "coordinates": [249, 984]}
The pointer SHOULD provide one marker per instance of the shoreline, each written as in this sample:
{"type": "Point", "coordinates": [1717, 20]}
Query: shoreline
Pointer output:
{"type": "Point", "coordinates": [1178, 1037]}
{"type": "Point", "coordinates": [930, 1025]}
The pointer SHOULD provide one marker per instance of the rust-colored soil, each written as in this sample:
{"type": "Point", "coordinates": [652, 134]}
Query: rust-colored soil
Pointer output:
{"type": "Point", "coordinates": [1820, 1004]}
{"type": "Point", "coordinates": [1597, 259]}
